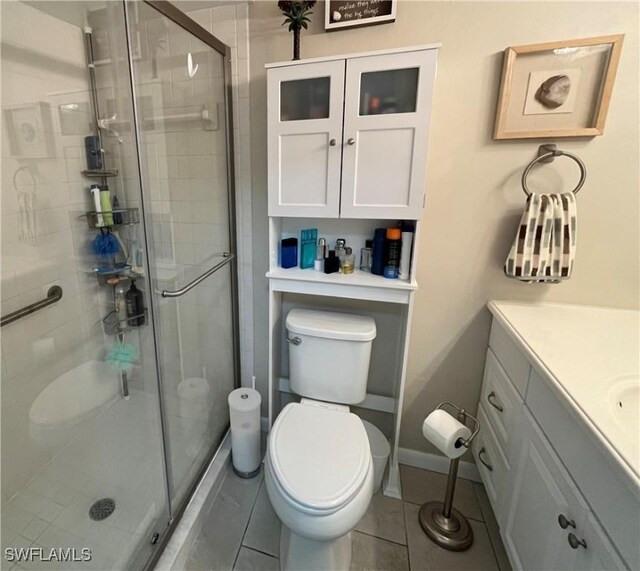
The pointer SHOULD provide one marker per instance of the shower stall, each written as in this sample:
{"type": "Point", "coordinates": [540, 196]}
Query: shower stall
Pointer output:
{"type": "Point", "coordinates": [118, 276]}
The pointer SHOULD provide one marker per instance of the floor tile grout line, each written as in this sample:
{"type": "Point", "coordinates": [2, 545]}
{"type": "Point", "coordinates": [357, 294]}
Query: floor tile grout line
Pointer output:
{"type": "Point", "coordinates": [490, 535]}
{"type": "Point", "coordinates": [261, 552]}
{"type": "Point", "coordinates": [380, 538]}
{"type": "Point", "coordinates": [246, 527]}
{"type": "Point", "coordinates": [468, 517]}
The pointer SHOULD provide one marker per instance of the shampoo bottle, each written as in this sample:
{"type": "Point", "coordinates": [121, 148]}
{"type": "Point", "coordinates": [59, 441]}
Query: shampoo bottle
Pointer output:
{"type": "Point", "coordinates": [135, 306]}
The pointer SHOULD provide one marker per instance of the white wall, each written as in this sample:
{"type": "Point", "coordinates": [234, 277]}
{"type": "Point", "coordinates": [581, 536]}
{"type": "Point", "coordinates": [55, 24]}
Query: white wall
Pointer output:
{"type": "Point", "coordinates": [474, 198]}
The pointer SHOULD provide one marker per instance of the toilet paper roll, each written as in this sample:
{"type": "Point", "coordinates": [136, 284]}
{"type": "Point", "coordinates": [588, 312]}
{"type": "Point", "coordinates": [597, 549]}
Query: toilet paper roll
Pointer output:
{"type": "Point", "coordinates": [443, 431]}
{"type": "Point", "coordinates": [244, 412]}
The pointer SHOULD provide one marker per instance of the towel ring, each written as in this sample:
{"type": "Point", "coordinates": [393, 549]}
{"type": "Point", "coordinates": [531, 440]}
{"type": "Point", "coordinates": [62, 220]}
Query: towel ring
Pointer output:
{"type": "Point", "coordinates": [546, 153]}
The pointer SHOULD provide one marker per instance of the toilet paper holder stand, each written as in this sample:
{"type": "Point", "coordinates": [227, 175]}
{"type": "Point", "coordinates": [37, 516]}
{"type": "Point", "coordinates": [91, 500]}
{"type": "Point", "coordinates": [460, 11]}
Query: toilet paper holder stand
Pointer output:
{"type": "Point", "coordinates": [440, 521]}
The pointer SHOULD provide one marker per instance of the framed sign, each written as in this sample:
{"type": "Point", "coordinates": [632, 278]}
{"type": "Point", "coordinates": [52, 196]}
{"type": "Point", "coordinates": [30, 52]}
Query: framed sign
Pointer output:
{"type": "Point", "coordinates": [340, 14]}
{"type": "Point", "coordinates": [557, 89]}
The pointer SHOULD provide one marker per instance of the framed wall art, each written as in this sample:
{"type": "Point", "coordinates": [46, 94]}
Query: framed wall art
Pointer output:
{"type": "Point", "coordinates": [339, 14]}
{"type": "Point", "coordinates": [557, 89]}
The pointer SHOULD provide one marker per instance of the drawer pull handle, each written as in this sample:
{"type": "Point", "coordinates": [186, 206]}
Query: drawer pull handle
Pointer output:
{"type": "Point", "coordinates": [351, 141]}
{"type": "Point", "coordinates": [486, 464]}
{"type": "Point", "coordinates": [574, 542]}
{"type": "Point", "coordinates": [492, 395]}
{"type": "Point", "coordinates": [565, 523]}
{"type": "Point", "coordinates": [332, 142]}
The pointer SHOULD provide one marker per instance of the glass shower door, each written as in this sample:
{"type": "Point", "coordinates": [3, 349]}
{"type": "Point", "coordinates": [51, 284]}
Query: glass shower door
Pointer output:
{"type": "Point", "coordinates": [179, 86]}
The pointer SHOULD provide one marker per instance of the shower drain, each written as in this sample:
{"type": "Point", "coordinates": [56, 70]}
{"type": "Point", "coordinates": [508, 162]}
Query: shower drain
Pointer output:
{"type": "Point", "coordinates": [102, 509]}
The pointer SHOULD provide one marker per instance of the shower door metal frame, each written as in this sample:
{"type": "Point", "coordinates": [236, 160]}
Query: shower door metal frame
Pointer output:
{"type": "Point", "coordinates": [184, 21]}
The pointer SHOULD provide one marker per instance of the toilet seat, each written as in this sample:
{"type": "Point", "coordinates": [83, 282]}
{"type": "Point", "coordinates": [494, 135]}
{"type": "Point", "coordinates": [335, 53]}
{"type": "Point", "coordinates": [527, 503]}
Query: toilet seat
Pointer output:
{"type": "Point", "coordinates": [319, 456]}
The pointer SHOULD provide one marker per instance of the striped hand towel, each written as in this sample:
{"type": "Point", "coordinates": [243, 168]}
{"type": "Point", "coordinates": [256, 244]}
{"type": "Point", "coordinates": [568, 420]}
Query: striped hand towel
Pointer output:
{"type": "Point", "coordinates": [545, 246]}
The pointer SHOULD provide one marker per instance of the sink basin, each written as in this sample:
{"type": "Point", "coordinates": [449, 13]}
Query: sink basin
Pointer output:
{"type": "Point", "coordinates": [624, 401]}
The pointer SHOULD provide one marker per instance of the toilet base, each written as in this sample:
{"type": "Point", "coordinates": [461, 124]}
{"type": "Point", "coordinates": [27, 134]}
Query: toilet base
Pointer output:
{"type": "Point", "coordinates": [298, 553]}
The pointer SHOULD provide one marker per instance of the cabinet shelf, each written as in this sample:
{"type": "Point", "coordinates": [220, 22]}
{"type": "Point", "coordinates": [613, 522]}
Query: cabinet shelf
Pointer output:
{"type": "Point", "coordinates": [359, 285]}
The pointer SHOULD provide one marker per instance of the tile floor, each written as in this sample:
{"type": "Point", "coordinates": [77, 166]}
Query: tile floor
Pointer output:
{"type": "Point", "coordinates": [241, 532]}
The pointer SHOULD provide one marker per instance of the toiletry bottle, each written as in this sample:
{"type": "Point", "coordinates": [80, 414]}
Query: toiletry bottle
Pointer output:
{"type": "Point", "coordinates": [332, 263]}
{"type": "Point", "coordinates": [289, 252]}
{"type": "Point", "coordinates": [340, 245]}
{"type": "Point", "coordinates": [105, 204]}
{"type": "Point", "coordinates": [321, 254]}
{"type": "Point", "coordinates": [93, 152]}
{"type": "Point", "coordinates": [348, 261]}
{"type": "Point", "coordinates": [405, 252]}
{"type": "Point", "coordinates": [308, 240]}
{"type": "Point", "coordinates": [95, 193]}
{"type": "Point", "coordinates": [135, 306]}
{"type": "Point", "coordinates": [366, 256]}
{"type": "Point", "coordinates": [120, 301]}
{"type": "Point", "coordinates": [139, 265]}
{"type": "Point", "coordinates": [115, 205]}
{"type": "Point", "coordinates": [379, 243]}
{"type": "Point", "coordinates": [392, 258]}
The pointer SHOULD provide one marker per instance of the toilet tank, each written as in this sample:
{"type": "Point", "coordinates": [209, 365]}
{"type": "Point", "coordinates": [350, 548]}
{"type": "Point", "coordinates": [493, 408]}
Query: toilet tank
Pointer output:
{"type": "Point", "coordinates": [331, 360]}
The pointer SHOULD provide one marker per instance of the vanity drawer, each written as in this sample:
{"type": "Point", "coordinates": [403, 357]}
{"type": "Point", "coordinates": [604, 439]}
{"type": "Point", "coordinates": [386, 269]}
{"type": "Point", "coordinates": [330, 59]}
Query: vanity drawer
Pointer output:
{"type": "Point", "coordinates": [492, 465]}
{"type": "Point", "coordinates": [511, 358]}
{"type": "Point", "coordinates": [500, 400]}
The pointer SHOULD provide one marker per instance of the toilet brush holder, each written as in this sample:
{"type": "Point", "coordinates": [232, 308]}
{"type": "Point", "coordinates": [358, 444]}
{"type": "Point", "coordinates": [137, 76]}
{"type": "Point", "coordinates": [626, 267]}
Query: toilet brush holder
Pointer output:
{"type": "Point", "coordinates": [441, 522]}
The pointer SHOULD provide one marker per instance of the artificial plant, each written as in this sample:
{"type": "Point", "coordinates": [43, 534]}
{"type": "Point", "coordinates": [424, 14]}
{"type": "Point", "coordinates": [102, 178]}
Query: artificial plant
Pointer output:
{"type": "Point", "coordinates": [297, 16]}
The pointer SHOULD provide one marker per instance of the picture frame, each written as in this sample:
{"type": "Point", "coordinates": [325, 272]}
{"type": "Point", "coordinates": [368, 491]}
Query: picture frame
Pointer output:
{"type": "Point", "coordinates": [341, 14]}
{"type": "Point", "coordinates": [557, 89]}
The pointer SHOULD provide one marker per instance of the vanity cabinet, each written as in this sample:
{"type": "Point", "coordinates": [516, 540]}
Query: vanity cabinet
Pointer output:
{"type": "Point", "coordinates": [348, 136]}
{"type": "Point", "coordinates": [552, 493]}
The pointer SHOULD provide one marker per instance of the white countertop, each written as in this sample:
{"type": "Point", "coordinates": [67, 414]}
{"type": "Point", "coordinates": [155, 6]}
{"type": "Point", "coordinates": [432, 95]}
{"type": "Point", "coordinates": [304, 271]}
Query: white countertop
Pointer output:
{"type": "Point", "coordinates": [590, 356]}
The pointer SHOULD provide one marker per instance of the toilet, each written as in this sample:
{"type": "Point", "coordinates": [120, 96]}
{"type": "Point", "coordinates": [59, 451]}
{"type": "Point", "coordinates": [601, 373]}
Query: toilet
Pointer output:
{"type": "Point", "coordinates": [319, 472]}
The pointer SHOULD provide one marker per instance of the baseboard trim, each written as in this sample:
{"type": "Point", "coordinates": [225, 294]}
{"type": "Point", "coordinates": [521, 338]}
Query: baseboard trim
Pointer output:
{"type": "Point", "coordinates": [437, 463]}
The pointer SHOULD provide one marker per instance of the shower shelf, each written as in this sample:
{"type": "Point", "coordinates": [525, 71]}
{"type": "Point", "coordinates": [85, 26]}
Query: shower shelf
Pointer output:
{"type": "Point", "coordinates": [123, 271]}
{"type": "Point", "coordinates": [111, 323]}
{"type": "Point", "coordinates": [121, 216]}
{"type": "Point", "coordinates": [100, 173]}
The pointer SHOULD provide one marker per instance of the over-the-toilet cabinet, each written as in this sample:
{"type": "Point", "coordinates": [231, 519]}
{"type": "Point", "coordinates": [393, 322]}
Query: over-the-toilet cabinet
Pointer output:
{"type": "Point", "coordinates": [347, 137]}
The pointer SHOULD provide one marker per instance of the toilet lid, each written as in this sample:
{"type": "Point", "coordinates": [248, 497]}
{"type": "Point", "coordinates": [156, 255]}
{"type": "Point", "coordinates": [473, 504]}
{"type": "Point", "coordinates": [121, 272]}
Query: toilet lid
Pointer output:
{"type": "Point", "coordinates": [320, 456]}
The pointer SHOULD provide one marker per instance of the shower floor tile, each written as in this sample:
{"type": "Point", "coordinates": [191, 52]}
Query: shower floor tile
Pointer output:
{"type": "Point", "coordinates": [114, 456]}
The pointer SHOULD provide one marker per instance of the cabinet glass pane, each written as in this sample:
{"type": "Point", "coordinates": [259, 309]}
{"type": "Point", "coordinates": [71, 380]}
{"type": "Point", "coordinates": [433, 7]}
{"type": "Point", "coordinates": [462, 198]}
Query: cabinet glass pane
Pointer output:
{"type": "Point", "coordinates": [305, 99]}
{"type": "Point", "coordinates": [390, 91]}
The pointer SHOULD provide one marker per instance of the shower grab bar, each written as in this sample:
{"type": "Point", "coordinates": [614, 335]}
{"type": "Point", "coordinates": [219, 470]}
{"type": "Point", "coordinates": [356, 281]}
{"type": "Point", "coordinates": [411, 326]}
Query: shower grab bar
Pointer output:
{"type": "Point", "coordinates": [228, 256]}
{"type": "Point", "coordinates": [53, 295]}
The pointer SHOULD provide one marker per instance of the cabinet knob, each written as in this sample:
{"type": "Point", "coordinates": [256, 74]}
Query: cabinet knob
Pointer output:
{"type": "Point", "coordinates": [492, 395]}
{"type": "Point", "coordinates": [486, 464]}
{"type": "Point", "coordinates": [565, 523]}
{"type": "Point", "coordinates": [332, 143]}
{"type": "Point", "coordinates": [351, 141]}
{"type": "Point", "coordinates": [574, 542]}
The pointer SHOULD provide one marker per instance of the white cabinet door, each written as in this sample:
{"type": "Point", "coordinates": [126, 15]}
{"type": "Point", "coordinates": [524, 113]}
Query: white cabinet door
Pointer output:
{"type": "Point", "coordinates": [542, 491]}
{"type": "Point", "coordinates": [304, 114]}
{"type": "Point", "coordinates": [387, 115]}
{"type": "Point", "coordinates": [595, 552]}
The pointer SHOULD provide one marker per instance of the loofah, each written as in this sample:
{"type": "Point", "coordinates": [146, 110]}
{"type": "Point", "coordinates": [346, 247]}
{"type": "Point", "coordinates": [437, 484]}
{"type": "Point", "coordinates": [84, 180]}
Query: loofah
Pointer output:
{"type": "Point", "coordinates": [105, 245]}
{"type": "Point", "coordinates": [122, 357]}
